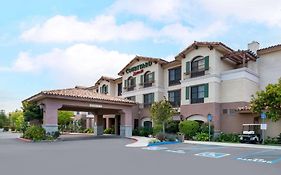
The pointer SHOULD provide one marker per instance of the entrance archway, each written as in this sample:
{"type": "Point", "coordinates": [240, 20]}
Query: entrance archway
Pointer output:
{"type": "Point", "coordinates": [81, 99]}
{"type": "Point", "coordinates": [198, 118]}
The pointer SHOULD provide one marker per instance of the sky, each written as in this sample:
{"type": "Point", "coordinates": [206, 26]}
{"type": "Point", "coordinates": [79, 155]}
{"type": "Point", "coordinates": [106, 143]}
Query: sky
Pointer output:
{"type": "Point", "coordinates": [52, 44]}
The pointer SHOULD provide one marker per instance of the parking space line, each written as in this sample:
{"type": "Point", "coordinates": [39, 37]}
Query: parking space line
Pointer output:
{"type": "Point", "coordinates": [252, 154]}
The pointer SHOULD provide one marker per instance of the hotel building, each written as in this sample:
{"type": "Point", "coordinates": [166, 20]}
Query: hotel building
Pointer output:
{"type": "Point", "coordinates": [205, 78]}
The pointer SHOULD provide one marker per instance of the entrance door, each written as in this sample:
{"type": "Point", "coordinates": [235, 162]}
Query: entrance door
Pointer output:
{"type": "Point", "coordinates": [117, 124]}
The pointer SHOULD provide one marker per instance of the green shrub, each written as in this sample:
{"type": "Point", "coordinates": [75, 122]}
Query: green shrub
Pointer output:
{"type": "Point", "coordinates": [279, 139]}
{"type": "Point", "coordinates": [202, 136]}
{"type": "Point", "coordinates": [204, 128]}
{"type": "Point", "coordinates": [35, 133]}
{"type": "Point", "coordinates": [143, 132]}
{"type": "Point", "coordinates": [189, 128]}
{"type": "Point", "coordinates": [172, 126]}
{"type": "Point", "coordinates": [108, 131]}
{"type": "Point", "coordinates": [223, 137]}
{"type": "Point", "coordinates": [89, 130]}
{"type": "Point", "coordinates": [154, 141]}
{"type": "Point", "coordinates": [157, 129]}
{"type": "Point", "coordinates": [56, 134]}
{"type": "Point", "coordinates": [271, 141]}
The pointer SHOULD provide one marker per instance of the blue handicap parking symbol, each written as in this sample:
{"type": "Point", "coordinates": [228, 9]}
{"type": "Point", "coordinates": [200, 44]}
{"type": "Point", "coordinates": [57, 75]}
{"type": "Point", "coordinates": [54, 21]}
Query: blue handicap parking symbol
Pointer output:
{"type": "Point", "coordinates": [212, 155]}
{"type": "Point", "coordinates": [155, 148]}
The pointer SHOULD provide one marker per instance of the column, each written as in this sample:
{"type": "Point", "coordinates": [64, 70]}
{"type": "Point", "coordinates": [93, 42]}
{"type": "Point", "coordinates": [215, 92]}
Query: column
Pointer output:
{"type": "Point", "coordinates": [126, 123]}
{"type": "Point", "coordinates": [98, 125]}
{"type": "Point", "coordinates": [50, 117]}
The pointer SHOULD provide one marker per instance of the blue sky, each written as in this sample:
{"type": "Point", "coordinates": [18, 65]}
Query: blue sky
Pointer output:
{"type": "Point", "coordinates": [62, 43]}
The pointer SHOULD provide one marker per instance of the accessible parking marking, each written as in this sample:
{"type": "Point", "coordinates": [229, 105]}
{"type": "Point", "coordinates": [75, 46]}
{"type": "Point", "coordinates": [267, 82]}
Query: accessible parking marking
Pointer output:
{"type": "Point", "coordinates": [266, 156]}
{"type": "Point", "coordinates": [212, 155]}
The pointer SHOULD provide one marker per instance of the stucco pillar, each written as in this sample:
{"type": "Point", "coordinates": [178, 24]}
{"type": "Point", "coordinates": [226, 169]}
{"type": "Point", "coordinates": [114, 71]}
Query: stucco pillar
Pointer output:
{"type": "Point", "coordinates": [98, 125]}
{"type": "Point", "coordinates": [126, 123]}
{"type": "Point", "coordinates": [50, 117]}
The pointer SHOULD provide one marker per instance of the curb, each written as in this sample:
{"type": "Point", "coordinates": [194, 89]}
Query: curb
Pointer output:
{"type": "Point", "coordinates": [24, 140]}
{"type": "Point", "coordinates": [239, 145]}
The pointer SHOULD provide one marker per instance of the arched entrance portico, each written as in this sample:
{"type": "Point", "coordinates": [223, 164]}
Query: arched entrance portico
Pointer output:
{"type": "Point", "coordinates": [198, 118]}
{"type": "Point", "coordinates": [79, 99]}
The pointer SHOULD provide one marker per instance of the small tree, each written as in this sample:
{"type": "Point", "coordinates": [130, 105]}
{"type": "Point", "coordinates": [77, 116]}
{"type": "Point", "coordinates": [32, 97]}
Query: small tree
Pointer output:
{"type": "Point", "coordinates": [31, 111]}
{"type": "Point", "coordinates": [189, 128]}
{"type": "Point", "coordinates": [161, 112]}
{"type": "Point", "coordinates": [16, 119]}
{"type": "Point", "coordinates": [269, 101]}
{"type": "Point", "coordinates": [3, 120]}
{"type": "Point", "coordinates": [64, 118]}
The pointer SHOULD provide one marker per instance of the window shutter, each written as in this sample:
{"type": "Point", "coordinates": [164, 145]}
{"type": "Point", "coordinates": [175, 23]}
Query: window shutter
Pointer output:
{"type": "Point", "coordinates": [134, 81]}
{"type": "Point", "coordinates": [187, 68]}
{"type": "Point", "coordinates": [206, 90]}
{"type": "Point", "coordinates": [125, 84]}
{"type": "Point", "coordinates": [153, 76]}
{"type": "Point", "coordinates": [187, 89]}
{"type": "Point", "coordinates": [141, 79]}
{"type": "Point", "coordinates": [207, 63]}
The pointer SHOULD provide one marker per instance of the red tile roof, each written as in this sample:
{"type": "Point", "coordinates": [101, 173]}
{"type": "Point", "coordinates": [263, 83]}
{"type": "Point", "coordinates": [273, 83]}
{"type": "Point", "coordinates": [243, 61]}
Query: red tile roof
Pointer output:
{"type": "Point", "coordinates": [82, 93]}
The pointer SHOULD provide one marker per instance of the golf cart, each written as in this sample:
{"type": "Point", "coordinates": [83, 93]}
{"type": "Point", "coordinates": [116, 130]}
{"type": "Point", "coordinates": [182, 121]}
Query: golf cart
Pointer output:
{"type": "Point", "coordinates": [251, 133]}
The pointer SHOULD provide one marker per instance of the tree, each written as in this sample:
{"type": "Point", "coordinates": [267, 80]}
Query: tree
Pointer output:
{"type": "Point", "coordinates": [268, 101]}
{"type": "Point", "coordinates": [189, 128]}
{"type": "Point", "coordinates": [64, 118]}
{"type": "Point", "coordinates": [3, 120]}
{"type": "Point", "coordinates": [31, 111]}
{"type": "Point", "coordinates": [161, 112]}
{"type": "Point", "coordinates": [16, 119]}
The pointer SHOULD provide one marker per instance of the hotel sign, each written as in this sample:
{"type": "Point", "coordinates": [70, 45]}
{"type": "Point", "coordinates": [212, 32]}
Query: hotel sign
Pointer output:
{"type": "Point", "coordinates": [138, 68]}
{"type": "Point", "coordinates": [95, 106]}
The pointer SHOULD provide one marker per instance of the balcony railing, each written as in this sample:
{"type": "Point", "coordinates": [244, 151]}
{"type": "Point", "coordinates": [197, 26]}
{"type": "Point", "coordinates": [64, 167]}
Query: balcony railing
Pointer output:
{"type": "Point", "coordinates": [197, 73]}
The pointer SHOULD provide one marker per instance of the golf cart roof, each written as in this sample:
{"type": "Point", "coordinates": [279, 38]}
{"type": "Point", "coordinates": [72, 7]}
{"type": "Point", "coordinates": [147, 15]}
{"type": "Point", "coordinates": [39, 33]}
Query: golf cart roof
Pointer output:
{"type": "Point", "coordinates": [251, 124]}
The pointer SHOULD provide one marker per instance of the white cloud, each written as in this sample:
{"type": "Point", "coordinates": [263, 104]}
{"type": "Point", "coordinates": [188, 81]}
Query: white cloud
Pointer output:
{"type": "Point", "coordinates": [104, 29]}
{"type": "Point", "coordinates": [71, 29]}
{"type": "Point", "coordinates": [164, 10]}
{"type": "Point", "coordinates": [77, 64]}
{"type": "Point", "coordinates": [263, 11]}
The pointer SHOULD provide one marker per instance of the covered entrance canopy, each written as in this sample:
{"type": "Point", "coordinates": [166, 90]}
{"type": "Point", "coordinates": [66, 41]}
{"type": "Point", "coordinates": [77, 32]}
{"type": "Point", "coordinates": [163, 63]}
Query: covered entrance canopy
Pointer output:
{"type": "Point", "coordinates": [84, 99]}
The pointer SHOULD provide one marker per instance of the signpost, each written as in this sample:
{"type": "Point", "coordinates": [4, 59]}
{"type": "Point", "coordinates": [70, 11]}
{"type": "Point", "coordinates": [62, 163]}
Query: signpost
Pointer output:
{"type": "Point", "coordinates": [210, 118]}
{"type": "Point", "coordinates": [263, 125]}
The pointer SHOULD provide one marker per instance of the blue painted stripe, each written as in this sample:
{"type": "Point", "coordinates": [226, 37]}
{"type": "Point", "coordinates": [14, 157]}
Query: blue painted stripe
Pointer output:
{"type": "Point", "coordinates": [162, 143]}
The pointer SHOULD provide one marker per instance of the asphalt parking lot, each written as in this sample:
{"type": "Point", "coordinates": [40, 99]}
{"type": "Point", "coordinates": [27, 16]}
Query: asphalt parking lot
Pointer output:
{"type": "Point", "coordinates": [110, 156]}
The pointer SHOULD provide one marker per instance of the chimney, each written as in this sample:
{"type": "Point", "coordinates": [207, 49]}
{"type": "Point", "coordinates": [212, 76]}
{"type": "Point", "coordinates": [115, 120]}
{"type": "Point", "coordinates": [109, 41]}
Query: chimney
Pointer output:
{"type": "Point", "coordinates": [254, 46]}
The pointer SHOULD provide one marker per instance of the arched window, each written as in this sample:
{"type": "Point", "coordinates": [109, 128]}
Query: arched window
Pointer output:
{"type": "Point", "coordinates": [131, 83]}
{"type": "Point", "coordinates": [104, 89]}
{"type": "Point", "coordinates": [198, 66]}
{"type": "Point", "coordinates": [148, 79]}
{"type": "Point", "coordinates": [147, 124]}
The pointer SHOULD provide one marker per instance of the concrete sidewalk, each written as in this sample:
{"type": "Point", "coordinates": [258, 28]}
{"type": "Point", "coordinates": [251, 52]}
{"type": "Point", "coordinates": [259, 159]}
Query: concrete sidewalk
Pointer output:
{"type": "Point", "coordinates": [140, 141]}
{"type": "Point", "coordinates": [240, 145]}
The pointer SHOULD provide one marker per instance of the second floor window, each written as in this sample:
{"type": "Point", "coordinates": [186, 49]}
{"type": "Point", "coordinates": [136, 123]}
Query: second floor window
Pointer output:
{"type": "Point", "coordinates": [174, 76]}
{"type": "Point", "coordinates": [174, 98]}
{"type": "Point", "coordinates": [133, 98]}
{"type": "Point", "coordinates": [198, 93]}
{"type": "Point", "coordinates": [148, 99]}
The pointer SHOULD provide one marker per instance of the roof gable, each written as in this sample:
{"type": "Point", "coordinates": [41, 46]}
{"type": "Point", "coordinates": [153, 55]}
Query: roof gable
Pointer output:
{"type": "Point", "coordinates": [211, 45]}
{"type": "Point", "coordinates": [141, 58]}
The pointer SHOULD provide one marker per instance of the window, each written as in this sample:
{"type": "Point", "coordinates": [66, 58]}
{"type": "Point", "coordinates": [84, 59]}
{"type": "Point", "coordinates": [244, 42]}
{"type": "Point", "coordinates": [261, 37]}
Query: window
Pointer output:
{"type": "Point", "coordinates": [104, 89]}
{"type": "Point", "coordinates": [147, 124]}
{"type": "Point", "coordinates": [199, 65]}
{"type": "Point", "coordinates": [131, 83]}
{"type": "Point", "coordinates": [174, 98]}
{"type": "Point", "coordinates": [133, 98]}
{"type": "Point", "coordinates": [119, 89]}
{"type": "Point", "coordinates": [198, 93]}
{"type": "Point", "coordinates": [148, 99]}
{"type": "Point", "coordinates": [136, 123]}
{"type": "Point", "coordinates": [148, 79]}
{"type": "Point", "coordinates": [174, 76]}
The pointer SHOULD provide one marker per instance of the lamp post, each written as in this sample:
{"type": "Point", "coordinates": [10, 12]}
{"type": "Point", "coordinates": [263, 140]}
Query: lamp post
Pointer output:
{"type": "Point", "coordinates": [210, 117]}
